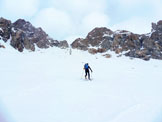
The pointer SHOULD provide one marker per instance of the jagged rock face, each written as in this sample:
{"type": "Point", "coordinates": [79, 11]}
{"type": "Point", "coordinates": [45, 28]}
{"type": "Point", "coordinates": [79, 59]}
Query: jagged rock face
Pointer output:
{"type": "Point", "coordinates": [157, 32]}
{"type": "Point", "coordinates": [5, 29]}
{"type": "Point", "coordinates": [155, 41]}
{"type": "Point", "coordinates": [143, 46]}
{"type": "Point", "coordinates": [125, 41]}
{"type": "Point", "coordinates": [96, 38]}
{"type": "Point", "coordinates": [80, 43]}
{"type": "Point", "coordinates": [18, 40]}
{"type": "Point", "coordinates": [24, 35]}
{"type": "Point", "coordinates": [108, 40]}
{"type": "Point", "coordinates": [63, 44]}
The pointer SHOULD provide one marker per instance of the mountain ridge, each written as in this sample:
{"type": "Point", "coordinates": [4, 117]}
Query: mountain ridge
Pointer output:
{"type": "Point", "coordinates": [143, 46]}
{"type": "Point", "coordinates": [23, 35]}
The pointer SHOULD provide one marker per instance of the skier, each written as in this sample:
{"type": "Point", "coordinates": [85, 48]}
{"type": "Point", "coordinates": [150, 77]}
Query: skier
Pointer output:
{"type": "Point", "coordinates": [86, 68]}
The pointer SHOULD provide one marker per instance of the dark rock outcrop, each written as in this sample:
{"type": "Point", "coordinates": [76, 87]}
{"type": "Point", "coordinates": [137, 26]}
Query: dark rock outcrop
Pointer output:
{"type": "Point", "coordinates": [5, 29]}
{"type": "Point", "coordinates": [143, 46]}
{"type": "Point", "coordinates": [63, 44]}
{"type": "Point", "coordinates": [23, 35]}
{"type": "Point", "coordinates": [96, 38]}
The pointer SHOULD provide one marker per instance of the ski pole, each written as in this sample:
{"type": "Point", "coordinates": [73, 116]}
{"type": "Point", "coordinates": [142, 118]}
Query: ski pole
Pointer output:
{"type": "Point", "coordinates": [91, 75]}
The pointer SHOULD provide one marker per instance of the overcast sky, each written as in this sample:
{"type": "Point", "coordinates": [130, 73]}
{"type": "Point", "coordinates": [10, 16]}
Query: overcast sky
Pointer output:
{"type": "Point", "coordinates": [68, 19]}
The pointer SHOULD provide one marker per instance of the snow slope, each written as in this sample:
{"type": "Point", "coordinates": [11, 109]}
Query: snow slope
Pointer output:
{"type": "Point", "coordinates": [49, 86]}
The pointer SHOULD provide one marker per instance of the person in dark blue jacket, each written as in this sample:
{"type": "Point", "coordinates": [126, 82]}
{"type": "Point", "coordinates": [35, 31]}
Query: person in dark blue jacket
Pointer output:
{"type": "Point", "coordinates": [86, 68]}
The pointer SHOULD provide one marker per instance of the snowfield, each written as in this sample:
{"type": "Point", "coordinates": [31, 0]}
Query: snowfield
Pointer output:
{"type": "Point", "coordinates": [49, 86]}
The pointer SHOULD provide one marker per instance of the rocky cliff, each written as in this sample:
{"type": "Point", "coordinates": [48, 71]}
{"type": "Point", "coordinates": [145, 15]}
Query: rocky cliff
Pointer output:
{"type": "Point", "coordinates": [23, 35]}
{"type": "Point", "coordinates": [144, 46]}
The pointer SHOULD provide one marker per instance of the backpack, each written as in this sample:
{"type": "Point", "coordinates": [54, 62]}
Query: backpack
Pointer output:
{"type": "Point", "coordinates": [86, 66]}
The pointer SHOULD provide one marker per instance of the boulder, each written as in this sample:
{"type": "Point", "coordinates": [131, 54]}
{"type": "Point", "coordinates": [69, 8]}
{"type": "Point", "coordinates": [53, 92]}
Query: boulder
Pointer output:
{"type": "Point", "coordinates": [107, 55]}
{"type": "Point", "coordinates": [92, 50]}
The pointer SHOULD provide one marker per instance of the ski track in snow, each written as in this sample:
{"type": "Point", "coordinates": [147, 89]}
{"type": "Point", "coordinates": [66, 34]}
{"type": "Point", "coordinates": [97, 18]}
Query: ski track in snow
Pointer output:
{"type": "Point", "coordinates": [49, 86]}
